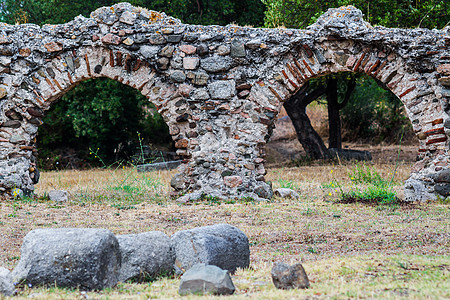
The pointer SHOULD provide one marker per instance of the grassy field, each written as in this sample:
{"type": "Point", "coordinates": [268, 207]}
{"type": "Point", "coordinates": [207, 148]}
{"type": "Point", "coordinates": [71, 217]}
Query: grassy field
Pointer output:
{"type": "Point", "coordinates": [348, 250]}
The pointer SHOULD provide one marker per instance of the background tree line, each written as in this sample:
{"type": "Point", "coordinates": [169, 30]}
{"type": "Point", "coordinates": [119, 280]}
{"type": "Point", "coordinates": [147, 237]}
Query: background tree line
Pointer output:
{"type": "Point", "coordinates": [103, 114]}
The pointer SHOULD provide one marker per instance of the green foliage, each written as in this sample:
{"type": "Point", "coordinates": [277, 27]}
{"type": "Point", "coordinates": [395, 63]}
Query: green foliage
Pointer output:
{"type": "Point", "coordinates": [376, 190]}
{"type": "Point", "coordinates": [403, 14]}
{"type": "Point", "coordinates": [373, 114]}
{"type": "Point", "coordinates": [206, 12]}
{"type": "Point", "coordinates": [365, 174]}
{"type": "Point", "coordinates": [383, 195]}
{"type": "Point", "coordinates": [103, 115]}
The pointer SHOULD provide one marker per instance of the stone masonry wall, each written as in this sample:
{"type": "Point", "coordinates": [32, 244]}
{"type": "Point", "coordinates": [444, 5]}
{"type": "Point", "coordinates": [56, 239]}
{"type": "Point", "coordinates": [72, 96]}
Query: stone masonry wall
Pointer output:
{"type": "Point", "coordinates": [219, 88]}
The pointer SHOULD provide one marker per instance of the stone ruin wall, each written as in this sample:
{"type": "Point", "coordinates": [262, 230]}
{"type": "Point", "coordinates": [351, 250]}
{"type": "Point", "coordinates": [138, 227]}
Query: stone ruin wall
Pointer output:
{"type": "Point", "coordinates": [219, 89]}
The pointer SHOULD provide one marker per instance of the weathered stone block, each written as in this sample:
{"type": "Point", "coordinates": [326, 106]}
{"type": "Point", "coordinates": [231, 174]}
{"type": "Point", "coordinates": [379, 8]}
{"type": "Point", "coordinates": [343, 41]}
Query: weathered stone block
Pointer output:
{"type": "Point", "coordinates": [82, 258]}
{"type": "Point", "coordinates": [224, 89]}
{"type": "Point", "coordinates": [190, 63]}
{"type": "Point", "coordinates": [188, 49]}
{"type": "Point", "coordinates": [203, 279]}
{"type": "Point", "coordinates": [289, 277]}
{"type": "Point", "coordinates": [216, 64]}
{"type": "Point", "coordinates": [221, 245]}
{"type": "Point", "coordinates": [53, 46]}
{"type": "Point", "coordinates": [6, 285]}
{"type": "Point", "coordinates": [145, 256]}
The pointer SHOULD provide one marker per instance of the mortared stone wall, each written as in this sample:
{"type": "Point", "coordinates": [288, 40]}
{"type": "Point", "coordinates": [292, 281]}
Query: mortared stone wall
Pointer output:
{"type": "Point", "coordinates": [219, 89]}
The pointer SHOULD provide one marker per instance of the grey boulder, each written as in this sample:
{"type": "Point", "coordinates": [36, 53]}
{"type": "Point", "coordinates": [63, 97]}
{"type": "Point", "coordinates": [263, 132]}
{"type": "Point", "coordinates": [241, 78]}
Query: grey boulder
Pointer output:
{"type": "Point", "coordinates": [204, 279]}
{"type": "Point", "coordinates": [221, 245]}
{"type": "Point", "coordinates": [289, 277]}
{"type": "Point", "coordinates": [6, 285]}
{"type": "Point", "coordinates": [145, 256]}
{"type": "Point", "coordinates": [84, 258]}
{"type": "Point", "coordinates": [286, 193]}
{"type": "Point", "coordinates": [58, 195]}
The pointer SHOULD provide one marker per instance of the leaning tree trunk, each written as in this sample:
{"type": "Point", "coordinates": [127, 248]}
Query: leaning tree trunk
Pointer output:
{"type": "Point", "coordinates": [334, 120]}
{"type": "Point", "coordinates": [307, 136]}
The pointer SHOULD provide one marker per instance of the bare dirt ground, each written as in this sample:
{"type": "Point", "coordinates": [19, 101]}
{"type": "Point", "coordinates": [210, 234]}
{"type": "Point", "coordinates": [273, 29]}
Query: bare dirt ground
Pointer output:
{"type": "Point", "coordinates": [348, 250]}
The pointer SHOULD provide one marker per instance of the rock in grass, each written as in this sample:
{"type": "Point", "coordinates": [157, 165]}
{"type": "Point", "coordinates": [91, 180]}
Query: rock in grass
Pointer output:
{"type": "Point", "coordinates": [221, 245]}
{"type": "Point", "coordinates": [84, 258]}
{"type": "Point", "coordinates": [58, 196]}
{"type": "Point", "coordinates": [286, 193]}
{"type": "Point", "coordinates": [206, 279]}
{"type": "Point", "coordinates": [289, 277]}
{"type": "Point", "coordinates": [6, 285]}
{"type": "Point", "coordinates": [145, 256]}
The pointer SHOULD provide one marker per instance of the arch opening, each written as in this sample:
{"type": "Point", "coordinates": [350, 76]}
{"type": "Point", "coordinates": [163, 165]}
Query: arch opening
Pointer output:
{"type": "Point", "coordinates": [369, 117]}
{"type": "Point", "coordinates": [100, 123]}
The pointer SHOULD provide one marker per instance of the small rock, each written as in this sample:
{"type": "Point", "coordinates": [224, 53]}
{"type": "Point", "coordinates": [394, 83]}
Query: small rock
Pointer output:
{"type": "Point", "coordinates": [6, 285]}
{"type": "Point", "coordinates": [223, 89]}
{"type": "Point", "coordinates": [178, 76]}
{"type": "Point", "coordinates": [189, 197]}
{"type": "Point", "coordinates": [202, 50]}
{"type": "Point", "coordinates": [178, 182]}
{"type": "Point", "coordinates": [167, 30]}
{"type": "Point", "coordinates": [289, 277]}
{"type": "Point", "coordinates": [442, 189]}
{"type": "Point", "coordinates": [25, 52]}
{"type": "Point", "coordinates": [163, 63]}
{"type": "Point", "coordinates": [128, 42]}
{"type": "Point", "coordinates": [216, 64]}
{"type": "Point", "coordinates": [232, 181]}
{"type": "Point", "coordinates": [190, 63]}
{"type": "Point", "coordinates": [182, 144]}
{"type": "Point", "coordinates": [188, 49]}
{"type": "Point", "coordinates": [58, 196]}
{"type": "Point", "coordinates": [174, 38]}
{"type": "Point", "coordinates": [111, 39]}
{"type": "Point", "coordinates": [206, 279]}
{"type": "Point", "coordinates": [149, 51]}
{"type": "Point", "coordinates": [200, 94]}
{"type": "Point", "coordinates": [443, 69]}
{"type": "Point", "coordinates": [445, 80]}
{"type": "Point", "coordinates": [237, 49]}
{"type": "Point", "coordinates": [223, 50]}
{"type": "Point", "coordinates": [286, 193]}
{"type": "Point", "coordinates": [145, 256]}
{"type": "Point", "coordinates": [221, 245]}
{"type": "Point", "coordinates": [84, 258]}
{"type": "Point", "coordinates": [35, 112]}
{"type": "Point", "coordinates": [263, 191]}
{"type": "Point", "coordinates": [3, 93]}
{"type": "Point", "coordinates": [128, 17]}
{"type": "Point", "coordinates": [157, 39]}
{"type": "Point", "coordinates": [167, 51]}
{"type": "Point", "coordinates": [11, 124]}
{"type": "Point", "coordinates": [443, 176]}
{"type": "Point", "coordinates": [17, 139]}
{"type": "Point", "coordinates": [53, 47]}
{"type": "Point", "coordinates": [200, 78]}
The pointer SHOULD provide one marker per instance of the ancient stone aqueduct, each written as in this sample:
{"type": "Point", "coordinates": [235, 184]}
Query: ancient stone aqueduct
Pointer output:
{"type": "Point", "coordinates": [219, 88]}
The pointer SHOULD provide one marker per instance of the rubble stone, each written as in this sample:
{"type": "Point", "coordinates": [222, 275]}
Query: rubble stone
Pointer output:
{"type": "Point", "coordinates": [156, 54]}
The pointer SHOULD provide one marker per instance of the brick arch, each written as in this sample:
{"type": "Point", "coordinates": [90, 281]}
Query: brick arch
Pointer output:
{"type": "Point", "coordinates": [387, 66]}
{"type": "Point", "coordinates": [220, 88]}
{"type": "Point", "coordinates": [60, 74]}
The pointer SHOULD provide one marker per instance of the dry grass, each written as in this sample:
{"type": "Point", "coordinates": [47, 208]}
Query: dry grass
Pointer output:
{"type": "Point", "coordinates": [348, 250]}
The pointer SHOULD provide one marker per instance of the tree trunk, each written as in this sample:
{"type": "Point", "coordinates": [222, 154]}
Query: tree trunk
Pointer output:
{"type": "Point", "coordinates": [334, 120]}
{"type": "Point", "coordinates": [307, 136]}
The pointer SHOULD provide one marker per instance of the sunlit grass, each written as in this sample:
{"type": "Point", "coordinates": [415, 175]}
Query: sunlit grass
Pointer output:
{"type": "Point", "coordinates": [348, 250]}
